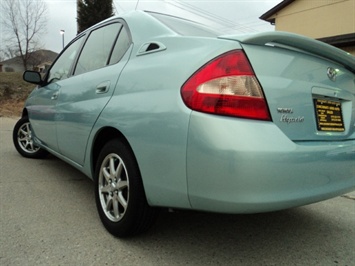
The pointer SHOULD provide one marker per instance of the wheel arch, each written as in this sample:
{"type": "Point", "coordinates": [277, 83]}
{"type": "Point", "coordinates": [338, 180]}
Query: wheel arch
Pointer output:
{"type": "Point", "coordinates": [103, 136]}
{"type": "Point", "coordinates": [24, 112]}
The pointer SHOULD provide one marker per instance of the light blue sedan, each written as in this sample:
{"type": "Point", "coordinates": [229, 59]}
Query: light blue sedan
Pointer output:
{"type": "Point", "coordinates": [163, 112]}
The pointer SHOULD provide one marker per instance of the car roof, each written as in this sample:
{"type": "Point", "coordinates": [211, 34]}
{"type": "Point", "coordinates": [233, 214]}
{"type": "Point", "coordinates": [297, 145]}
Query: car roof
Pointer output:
{"type": "Point", "coordinates": [147, 24]}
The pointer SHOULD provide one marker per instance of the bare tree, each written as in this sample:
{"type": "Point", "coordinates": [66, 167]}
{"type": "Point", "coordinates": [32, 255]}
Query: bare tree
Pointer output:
{"type": "Point", "coordinates": [24, 22]}
{"type": "Point", "coordinates": [6, 51]}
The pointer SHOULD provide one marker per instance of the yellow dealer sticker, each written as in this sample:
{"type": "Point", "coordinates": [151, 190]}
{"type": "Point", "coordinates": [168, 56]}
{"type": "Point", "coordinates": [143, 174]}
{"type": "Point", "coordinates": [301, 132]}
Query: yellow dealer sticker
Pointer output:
{"type": "Point", "coordinates": [329, 115]}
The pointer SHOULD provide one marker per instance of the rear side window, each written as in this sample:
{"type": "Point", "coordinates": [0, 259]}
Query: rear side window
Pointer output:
{"type": "Point", "coordinates": [184, 27]}
{"type": "Point", "coordinates": [97, 49]}
{"type": "Point", "coordinates": [121, 46]}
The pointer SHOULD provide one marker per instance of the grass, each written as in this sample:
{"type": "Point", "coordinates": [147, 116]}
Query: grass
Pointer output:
{"type": "Point", "coordinates": [13, 93]}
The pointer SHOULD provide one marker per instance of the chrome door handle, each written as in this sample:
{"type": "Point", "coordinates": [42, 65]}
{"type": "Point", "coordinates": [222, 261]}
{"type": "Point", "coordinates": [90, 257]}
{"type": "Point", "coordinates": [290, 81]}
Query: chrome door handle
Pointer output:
{"type": "Point", "coordinates": [103, 87]}
{"type": "Point", "coordinates": [55, 96]}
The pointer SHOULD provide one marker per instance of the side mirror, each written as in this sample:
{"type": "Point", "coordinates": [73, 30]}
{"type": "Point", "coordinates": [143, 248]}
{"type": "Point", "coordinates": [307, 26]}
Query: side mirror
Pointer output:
{"type": "Point", "coordinates": [32, 77]}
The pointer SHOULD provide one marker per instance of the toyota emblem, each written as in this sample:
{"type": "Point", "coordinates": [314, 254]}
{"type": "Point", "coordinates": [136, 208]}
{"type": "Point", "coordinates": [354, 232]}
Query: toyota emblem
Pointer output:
{"type": "Point", "coordinates": [332, 73]}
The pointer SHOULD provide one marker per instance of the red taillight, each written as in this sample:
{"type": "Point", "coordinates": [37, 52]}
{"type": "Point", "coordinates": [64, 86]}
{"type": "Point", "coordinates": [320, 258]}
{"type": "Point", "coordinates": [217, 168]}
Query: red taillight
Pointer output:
{"type": "Point", "coordinates": [226, 86]}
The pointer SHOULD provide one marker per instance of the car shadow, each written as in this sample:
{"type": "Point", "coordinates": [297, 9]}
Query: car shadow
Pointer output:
{"type": "Point", "coordinates": [264, 238]}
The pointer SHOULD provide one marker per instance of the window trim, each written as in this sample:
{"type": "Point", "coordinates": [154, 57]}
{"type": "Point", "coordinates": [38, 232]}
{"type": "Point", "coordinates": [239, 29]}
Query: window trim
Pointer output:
{"type": "Point", "coordinates": [85, 35]}
{"type": "Point", "coordinates": [86, 40]}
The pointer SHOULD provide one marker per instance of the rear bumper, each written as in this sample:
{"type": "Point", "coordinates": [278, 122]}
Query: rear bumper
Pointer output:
{"type": "Point", "coordinates": [244, 166]}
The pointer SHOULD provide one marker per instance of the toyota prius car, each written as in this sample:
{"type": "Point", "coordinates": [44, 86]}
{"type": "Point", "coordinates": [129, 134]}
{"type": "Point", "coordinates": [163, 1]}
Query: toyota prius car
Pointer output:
{"type": "Point", "coordinates": [163, 112]}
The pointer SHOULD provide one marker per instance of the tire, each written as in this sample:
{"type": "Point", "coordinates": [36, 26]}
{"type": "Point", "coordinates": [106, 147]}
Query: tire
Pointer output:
{"type": "Point", "coordinates": [119, 192]}
{"type": "Point", "coordinates": [23, 141]}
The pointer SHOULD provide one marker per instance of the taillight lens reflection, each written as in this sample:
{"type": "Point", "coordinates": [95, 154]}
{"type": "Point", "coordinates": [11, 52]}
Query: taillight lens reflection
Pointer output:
{"type": "Point", "coordinates": [226, 86]}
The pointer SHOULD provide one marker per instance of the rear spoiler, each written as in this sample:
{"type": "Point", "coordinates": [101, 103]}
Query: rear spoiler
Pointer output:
{"type": "Point", "coordinates": [299, 42]}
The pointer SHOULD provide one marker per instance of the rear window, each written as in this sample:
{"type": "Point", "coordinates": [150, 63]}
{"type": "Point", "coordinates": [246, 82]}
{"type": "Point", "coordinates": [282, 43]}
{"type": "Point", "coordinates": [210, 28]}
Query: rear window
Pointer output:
{"type": "Point", "coordinates": [184, 27]}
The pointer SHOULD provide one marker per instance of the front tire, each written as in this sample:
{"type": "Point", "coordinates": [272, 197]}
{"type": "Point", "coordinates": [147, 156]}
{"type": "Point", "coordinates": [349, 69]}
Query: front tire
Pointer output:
{"type": "Point", "coordinates": [23, 141]}
{"type": "Point", "coordinates": [119, 192]}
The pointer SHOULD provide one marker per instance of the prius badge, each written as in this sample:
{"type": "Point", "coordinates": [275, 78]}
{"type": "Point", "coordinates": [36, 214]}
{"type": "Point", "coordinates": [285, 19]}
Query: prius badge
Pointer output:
{"type": "Point", "coordinates": [332, 73]}
{"type": "Point", "coordinates": [287, 117]}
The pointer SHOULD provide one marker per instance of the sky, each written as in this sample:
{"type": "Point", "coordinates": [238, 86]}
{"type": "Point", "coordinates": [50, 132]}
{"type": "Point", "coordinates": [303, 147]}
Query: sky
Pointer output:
{"type": "Point", "coordinates": [234, 16]}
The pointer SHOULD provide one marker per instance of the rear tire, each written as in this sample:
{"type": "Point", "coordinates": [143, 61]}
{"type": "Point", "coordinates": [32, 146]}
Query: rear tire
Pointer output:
{"type": "Point", "coordinates": [23, 141]}
{"type": "Point", "coordinates": [119, 192]}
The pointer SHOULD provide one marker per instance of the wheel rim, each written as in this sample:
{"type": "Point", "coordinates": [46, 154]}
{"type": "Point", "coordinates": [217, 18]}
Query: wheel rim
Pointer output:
{"type": "Point", "coordinates": [24, 139]}
{"type": "Point", "coordinates": [113, 187]}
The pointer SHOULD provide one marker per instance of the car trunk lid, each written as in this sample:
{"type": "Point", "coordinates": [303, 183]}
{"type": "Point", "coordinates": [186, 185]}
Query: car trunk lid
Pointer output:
{"type": "Point", "coordinates": [309, 85]}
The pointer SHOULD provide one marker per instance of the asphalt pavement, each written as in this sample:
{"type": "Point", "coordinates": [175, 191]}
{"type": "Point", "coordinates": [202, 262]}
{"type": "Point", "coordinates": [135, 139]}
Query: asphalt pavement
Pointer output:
{"type": "Point", "coordinates": [48, 217]}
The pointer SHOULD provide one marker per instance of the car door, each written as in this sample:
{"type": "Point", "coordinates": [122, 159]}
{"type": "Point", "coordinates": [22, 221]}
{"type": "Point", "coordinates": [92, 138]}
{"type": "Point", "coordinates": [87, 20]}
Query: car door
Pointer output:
{"type": "Point", "coordinates": [42, 106]}
{"type": "Point", "coordinates": [92, 84]}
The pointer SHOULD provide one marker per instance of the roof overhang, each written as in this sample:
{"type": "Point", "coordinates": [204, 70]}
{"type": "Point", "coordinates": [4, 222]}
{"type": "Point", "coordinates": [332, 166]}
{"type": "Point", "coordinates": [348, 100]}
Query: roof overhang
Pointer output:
{"type": "Point", "coordinates": [267, 16]}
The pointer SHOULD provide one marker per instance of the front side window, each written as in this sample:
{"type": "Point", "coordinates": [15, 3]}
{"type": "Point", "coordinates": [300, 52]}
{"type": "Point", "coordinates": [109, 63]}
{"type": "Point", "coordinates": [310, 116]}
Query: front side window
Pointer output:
{"type": "Point", "coordinates": [61, 68]}
{"type": "Point", "coordinates": [97, 48]}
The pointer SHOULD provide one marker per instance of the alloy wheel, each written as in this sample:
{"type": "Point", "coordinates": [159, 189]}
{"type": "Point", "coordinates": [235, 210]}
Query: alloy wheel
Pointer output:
{"type": "Point", "coordinates": [24, 139]}
{"type": "Point", "coordinates": [113, 186]}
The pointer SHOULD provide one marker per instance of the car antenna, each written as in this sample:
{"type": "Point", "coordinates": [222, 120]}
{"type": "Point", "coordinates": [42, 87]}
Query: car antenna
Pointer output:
{"type": "Point", "coordinates": [137, 5]}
